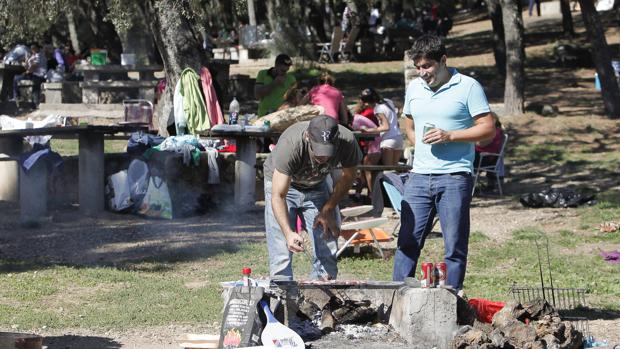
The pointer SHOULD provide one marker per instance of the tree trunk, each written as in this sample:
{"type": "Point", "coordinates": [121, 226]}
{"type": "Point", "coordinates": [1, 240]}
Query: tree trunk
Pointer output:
{"type": "Point", "coordinates": [567, 18]}
{"type": "Point", "coordinates": [73, 33]}
{"type": "Point", "coordinates": [251, 12]}
{"type": "Point", "coordinates": [499, 45]}
{"type": "Point", "coordinates": [515, 56]}
{"type": "Point", "coordinates": [179, 47]}
{"type": "Point", "coordinates": [602, 58]}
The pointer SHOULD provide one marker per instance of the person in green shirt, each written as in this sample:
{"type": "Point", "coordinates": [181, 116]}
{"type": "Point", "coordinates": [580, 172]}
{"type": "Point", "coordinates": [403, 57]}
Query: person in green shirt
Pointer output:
{"type": "Point", "coordinates": [272, 83]}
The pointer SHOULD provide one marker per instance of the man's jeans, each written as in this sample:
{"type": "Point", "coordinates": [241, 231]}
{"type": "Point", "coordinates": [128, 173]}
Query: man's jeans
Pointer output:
{"type": "Point", "coordinates": [306, 204]}
{"type": "Point", "coordinates": [448, 195]}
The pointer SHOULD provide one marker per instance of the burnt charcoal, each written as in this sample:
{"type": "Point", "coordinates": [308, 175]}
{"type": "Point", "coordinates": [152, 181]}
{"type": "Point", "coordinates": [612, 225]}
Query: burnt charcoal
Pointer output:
{"type": "Point", "coordinates": [308, 309]}
{"type": "Point", "coordinates": [356, 315]}
{"type": "Point", "coordinates": [551, 342]}
{"type": "Point", "coordinates": [518, 333]}
{"type": "Point", "coordinates": [534, 345]}
{"type": "Point", "coordinates": [469, 337]}
{"type": "Point", "coordinates": [573, 339]}
{"type": "Point", "coordinates": [538, 308]}
{"type": "Point", "coordinates": [511, 311]}
{"type": "Point", "coordinates": [328, 323]}
{"type": "Point", "coordinates": [499, 340]}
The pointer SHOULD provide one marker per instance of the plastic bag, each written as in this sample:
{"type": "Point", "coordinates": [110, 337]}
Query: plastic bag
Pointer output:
{"type": "Point", "coordinates": [555, 198]}
{"type": "Point", "coordinates": [117, 191]}
{"type": "Point", "coordinates": [485, 309]}
{"type": "Point", "coordinates": [137, 180]}
{"type": "Point", "coordinates": [157, 203]}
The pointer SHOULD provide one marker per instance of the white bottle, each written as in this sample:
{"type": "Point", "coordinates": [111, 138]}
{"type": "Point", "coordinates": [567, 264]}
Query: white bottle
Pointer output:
{"type": "Point", "coordinates": [233, 111]}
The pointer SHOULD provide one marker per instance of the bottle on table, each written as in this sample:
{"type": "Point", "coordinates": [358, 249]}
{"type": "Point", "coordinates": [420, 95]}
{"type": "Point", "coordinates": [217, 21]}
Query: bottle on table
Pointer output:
{"type": "Point", "coordinates": [233, 111]}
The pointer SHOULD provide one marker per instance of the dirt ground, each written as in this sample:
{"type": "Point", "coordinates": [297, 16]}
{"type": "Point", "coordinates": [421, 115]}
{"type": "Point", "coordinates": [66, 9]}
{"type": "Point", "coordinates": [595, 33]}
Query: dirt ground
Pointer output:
{"type": "Point", "coordinates": [64, 240]}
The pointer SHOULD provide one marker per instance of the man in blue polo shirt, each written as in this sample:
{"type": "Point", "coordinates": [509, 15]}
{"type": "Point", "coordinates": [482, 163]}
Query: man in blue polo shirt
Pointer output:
{"type": "Point", "coordinates": [456, 110]}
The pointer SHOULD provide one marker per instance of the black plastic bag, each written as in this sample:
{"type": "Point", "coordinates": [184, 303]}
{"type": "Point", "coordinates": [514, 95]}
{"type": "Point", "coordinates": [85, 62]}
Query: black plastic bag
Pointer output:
{"type": "Point", "coordinates": [564, 197]}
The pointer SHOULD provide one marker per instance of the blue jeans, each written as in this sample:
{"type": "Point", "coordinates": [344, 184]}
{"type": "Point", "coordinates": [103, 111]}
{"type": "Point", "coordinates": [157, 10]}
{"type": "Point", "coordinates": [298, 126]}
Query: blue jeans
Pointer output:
{"type": "Point", "coordinates": [448, 195]}
{"type": "Point", "coordinates": [306, 204]}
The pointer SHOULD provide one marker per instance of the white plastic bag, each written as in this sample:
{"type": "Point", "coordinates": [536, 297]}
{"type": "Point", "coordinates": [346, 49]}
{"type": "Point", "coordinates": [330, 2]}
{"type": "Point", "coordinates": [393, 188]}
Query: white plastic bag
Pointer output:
{"type": "Point", "coordinates": [157, 202]}
{"type": "Point", "coordinates": [138, 180]}
{"type": "Point", "coordinates": [117, 190]}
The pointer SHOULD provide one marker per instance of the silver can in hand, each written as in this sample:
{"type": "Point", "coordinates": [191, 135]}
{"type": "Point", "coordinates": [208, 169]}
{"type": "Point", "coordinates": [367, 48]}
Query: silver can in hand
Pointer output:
{"type": "Point", "coordinates": [427, 128]}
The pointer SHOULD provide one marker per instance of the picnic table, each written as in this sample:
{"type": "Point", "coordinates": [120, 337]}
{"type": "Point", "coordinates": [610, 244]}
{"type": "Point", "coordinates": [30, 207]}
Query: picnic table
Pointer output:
{"type": "Point", "coordinates": [7, 73]}
{"type": "Point", "coordinates": [245, 162]}
{"type": "Point", "coordinates": [93, 83]}
{"type": "Point", "coordinates": [33, 184]}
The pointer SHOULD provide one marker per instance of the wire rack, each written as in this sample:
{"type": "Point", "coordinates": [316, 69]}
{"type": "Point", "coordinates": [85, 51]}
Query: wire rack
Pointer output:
{"type": "Point", "coordinates": [559, 298]}
{"type": "Point", "coordinates": [567, 301]}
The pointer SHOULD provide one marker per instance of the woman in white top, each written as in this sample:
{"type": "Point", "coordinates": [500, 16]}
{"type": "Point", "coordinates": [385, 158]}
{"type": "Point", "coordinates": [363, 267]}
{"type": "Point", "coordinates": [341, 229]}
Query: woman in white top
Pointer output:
{"type": "Point", "coordinates": [392, 143]}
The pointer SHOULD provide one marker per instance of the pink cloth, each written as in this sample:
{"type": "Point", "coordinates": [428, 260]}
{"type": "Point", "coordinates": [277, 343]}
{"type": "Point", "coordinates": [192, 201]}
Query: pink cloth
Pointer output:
{"type": "Point", "coordinates": [327, 97]}
{"type": "Point", "coordinates": [213, 106]}
{"type": "Point", "coordinates": [360, 122]}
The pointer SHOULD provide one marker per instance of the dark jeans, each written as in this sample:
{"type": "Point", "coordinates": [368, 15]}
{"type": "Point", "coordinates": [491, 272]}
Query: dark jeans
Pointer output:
{"type": "Point", "coordinates": [448, 195]}
{"type": "Point", "coordinates": [36, 86]}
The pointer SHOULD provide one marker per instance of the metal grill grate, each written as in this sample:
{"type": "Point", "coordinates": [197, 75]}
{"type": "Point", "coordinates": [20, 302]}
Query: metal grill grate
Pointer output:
{"type": "Point", "coordinates": [559, 298]}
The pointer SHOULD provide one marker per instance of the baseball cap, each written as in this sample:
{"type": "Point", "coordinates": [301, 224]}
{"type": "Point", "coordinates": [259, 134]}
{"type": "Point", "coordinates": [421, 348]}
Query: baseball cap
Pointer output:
{"type": "Point", "coordinates": [323, 133]}
{"type": "Point", "coordinates": [284, 59]}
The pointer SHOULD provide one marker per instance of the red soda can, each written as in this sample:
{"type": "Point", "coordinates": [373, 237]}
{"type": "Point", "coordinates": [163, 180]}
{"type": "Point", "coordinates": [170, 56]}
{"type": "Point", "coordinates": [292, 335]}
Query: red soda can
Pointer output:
{"type": "Point", "coordinates": [442, 273]}
{"type": "Point", "coordinates": [427, 275]}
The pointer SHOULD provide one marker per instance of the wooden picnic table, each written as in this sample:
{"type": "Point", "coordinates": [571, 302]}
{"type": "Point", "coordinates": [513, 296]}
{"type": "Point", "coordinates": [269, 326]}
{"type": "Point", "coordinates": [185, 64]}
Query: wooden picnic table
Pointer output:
{"type": "Point", "coordinates": [245, 162]}
{"type": "Point", "coordinates": [33, 184]}
{"type": "Point", "coordinates": [7, 73]}
{"type": "Point", "coordinates": [93, 83]}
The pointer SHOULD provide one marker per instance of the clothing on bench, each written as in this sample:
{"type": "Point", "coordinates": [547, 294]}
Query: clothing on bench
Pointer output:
{"type": "Point", "coordinates": [398, 180]}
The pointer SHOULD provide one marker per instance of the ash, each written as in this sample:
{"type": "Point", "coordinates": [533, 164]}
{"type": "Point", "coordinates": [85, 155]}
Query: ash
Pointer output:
{"type": "Point", "coordinates": [369, 336]}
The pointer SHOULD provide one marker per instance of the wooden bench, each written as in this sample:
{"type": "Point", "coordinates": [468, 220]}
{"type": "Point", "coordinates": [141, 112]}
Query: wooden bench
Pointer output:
{"type": "Point", "coordinates": [91, 90]}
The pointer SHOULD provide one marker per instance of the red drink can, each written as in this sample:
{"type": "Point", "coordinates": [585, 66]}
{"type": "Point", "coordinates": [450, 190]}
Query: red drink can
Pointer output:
{"type": "Point", "coordinates": [442, 273]}
{"type": "Point", "coordinates": [427, 275]}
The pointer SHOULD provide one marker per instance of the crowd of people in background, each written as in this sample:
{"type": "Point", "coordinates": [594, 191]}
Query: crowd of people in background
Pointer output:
{"type": "Point", "coordinates": [41, 63]}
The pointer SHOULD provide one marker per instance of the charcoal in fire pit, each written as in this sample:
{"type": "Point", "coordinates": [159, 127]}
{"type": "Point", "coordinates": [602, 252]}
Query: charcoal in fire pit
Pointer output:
{"type": "Point", "coordinates": [355, 312]}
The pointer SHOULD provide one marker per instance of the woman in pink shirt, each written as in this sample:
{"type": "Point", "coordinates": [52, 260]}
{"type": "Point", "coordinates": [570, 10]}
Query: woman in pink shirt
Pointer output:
{"type": "Point", "coordinates": [330, 98]}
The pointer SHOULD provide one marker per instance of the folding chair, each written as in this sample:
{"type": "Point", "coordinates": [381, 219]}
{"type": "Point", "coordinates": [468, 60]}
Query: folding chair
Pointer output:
{"type": "Point", "coordinates": [396, 198]}
{"type": "Point", "coordinates": [358, 232]}
{"type": "Point", "coordinates": [497, 168]}
{"type": "Point", "coordinates": [329, 50]}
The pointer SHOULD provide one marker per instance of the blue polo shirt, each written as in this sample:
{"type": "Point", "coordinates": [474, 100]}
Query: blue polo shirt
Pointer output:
{"type": "Point", "coordinates": [452, 107]}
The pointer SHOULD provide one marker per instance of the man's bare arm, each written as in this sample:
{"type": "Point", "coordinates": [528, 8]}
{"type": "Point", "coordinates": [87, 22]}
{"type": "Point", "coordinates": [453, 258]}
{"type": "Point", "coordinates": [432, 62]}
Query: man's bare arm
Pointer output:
{"type": "Point", "coordinates": [280, 185]}
{"type": "Point", "coordinates": [410, 129]}
{"type": "Point", "coordinates": [261, 90]}
{"type": "Point", "coordinates": [326, 217]}
{"type": "Point", "coordinates": [484, 128]}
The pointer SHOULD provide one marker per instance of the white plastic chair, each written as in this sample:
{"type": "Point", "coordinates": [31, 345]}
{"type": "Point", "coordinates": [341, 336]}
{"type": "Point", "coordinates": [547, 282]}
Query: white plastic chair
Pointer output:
{"type": "Point", "coordinates": [497, 168]}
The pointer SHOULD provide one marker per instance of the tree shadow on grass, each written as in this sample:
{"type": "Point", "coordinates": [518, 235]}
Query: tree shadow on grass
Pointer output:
{"type": "Point", "coordinates": [70, 341]}
{"type": "Point", "coordinates": [122, 240]}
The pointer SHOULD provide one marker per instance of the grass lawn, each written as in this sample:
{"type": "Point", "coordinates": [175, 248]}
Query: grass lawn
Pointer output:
{"type": "Point", "coordinates": [169, 290]}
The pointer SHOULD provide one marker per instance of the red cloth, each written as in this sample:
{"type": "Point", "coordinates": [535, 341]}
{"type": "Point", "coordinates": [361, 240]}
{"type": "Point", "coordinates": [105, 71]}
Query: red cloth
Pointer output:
{"type": "Point", "coordinates": [213, 106]}
{"type": "Point", "coordinates": [370, 113]}
{"type": "Point", "coordinates": [485, 309]}
{"type": "Point", "coordinates": [496, 144]}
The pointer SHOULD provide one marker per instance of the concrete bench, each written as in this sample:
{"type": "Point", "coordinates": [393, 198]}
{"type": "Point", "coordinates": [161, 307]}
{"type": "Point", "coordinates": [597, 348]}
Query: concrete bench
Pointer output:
{"type": "Point", "coordinates": [91, 90]}
{"type": "Point", "coordinates": [62, 92]}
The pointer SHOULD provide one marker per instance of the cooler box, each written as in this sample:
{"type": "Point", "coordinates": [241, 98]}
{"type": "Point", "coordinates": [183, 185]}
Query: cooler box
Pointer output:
{"type": "Point", "coordinates": [98, 57]}
{"type": "Point", "coordinates": [138, 111]}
